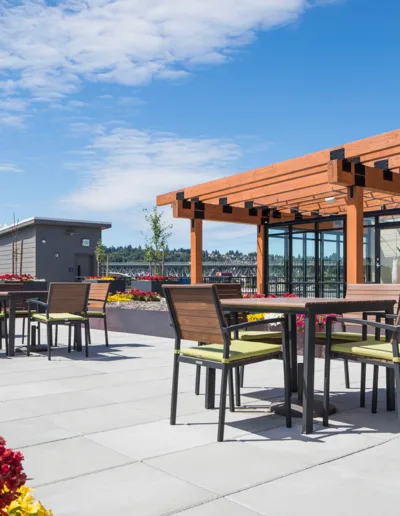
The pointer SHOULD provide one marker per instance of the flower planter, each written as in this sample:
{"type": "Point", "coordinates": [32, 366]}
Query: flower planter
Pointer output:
{"type": "Point", "coordinates": [117, 285]}
{"type": "Point", "coordinates": [143, 322]}
{"type": "Point", "coordinates": [28, 285]}
{"type": "Point", "coordinates": [151, 285]}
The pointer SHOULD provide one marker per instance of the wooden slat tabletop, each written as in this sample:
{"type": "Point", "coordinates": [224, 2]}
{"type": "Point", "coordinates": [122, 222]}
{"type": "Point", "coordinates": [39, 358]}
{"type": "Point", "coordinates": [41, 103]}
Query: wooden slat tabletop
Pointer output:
{"type": "Point", "coordinates": [321, 305]}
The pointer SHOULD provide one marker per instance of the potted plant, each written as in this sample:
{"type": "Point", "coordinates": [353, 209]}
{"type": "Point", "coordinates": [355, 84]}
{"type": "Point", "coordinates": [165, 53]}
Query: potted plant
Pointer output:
{"type": "Point", "coordinates": [28, 281]}
{"type": "Point", "coordinates": [116, 284]}
{"type": "Point", "coordinates": [152, 283]}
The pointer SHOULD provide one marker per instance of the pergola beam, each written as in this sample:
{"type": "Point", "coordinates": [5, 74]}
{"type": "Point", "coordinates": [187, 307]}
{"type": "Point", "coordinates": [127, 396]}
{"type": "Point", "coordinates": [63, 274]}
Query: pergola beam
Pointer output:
{"type": "Point", "coordinates": [369, 149]}
{"type": "Point", "coordinates": [345, 173]}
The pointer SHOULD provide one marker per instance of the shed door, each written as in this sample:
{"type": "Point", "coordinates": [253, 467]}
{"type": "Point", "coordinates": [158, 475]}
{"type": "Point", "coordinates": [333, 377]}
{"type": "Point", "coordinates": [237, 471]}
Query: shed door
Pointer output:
{"type": "Point", "coordinates": [84, 265]}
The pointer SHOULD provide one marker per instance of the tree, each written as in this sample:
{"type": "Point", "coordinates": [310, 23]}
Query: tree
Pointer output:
{"type": "Point", "coordinates": [101, 255]}
{"type": "Point", "coordinates": [156, 243]}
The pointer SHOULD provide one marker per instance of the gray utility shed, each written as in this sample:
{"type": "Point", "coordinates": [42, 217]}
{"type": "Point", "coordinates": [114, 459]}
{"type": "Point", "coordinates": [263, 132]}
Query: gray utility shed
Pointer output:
{"type": "Point", "coordinates": [52, 249]}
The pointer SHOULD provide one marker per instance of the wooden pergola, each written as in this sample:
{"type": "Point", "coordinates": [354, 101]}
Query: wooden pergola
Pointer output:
{"type": "Point", "coordinates": [351, 180]}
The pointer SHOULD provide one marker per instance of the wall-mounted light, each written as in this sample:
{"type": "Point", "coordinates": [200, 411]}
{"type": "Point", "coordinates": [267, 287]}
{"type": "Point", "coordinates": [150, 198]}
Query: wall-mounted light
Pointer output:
{"type": "Point", "coordinates": [70, 232]}
{"type": "Point", "coordinates": [56, 255]}
{"type": "Point", "coordinates": [43, 241]}
{"type": "Point", "coordinates": [330, 199]}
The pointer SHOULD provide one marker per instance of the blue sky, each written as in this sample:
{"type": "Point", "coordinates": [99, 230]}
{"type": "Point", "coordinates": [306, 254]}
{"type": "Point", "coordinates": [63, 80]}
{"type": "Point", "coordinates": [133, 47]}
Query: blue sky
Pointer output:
{"type": "Point", "coordinates": [105, 104]}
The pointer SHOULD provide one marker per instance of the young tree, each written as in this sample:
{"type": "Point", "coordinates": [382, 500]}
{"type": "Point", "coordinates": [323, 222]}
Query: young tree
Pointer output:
{"type": "Point", "coordinates": [156, 243]}
{"type": "Point", "coordinates": [101, 255]}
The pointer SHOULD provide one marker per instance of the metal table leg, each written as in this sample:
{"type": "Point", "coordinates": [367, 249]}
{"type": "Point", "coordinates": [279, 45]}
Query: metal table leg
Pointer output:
{"type": "Point", "coordinates": [11, 327]}
{"type": "Point", "coordinates": [293, 352]}
{"type": "Point", "coordinates": [308, 377]}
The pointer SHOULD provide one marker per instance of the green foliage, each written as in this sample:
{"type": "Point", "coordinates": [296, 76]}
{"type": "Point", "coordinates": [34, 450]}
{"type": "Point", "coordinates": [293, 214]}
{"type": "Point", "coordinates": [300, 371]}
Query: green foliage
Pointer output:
{"type": "Point", "coordinates": [100, 253]}
{"type": "Point", "coordinates": [156, 242]}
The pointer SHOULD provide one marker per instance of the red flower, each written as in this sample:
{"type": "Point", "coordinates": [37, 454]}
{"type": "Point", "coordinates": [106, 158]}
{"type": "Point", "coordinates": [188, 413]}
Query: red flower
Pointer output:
{"type": "Point", "coordinates": [12, 476]}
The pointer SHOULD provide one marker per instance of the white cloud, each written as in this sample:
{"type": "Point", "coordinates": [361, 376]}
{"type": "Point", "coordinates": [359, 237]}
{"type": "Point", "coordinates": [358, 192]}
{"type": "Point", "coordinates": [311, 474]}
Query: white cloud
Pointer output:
{"type": "Point", "coordinates": [11, 120]}
{"type": "Point", "coordinates": [132, 166]}
{"type": "Point", "coordinates": [8, 167]}
{"type": "Point", "coordinates": [50, 49]}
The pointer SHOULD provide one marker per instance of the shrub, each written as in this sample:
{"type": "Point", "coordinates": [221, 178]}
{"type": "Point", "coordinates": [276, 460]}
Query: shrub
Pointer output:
{"type": "Point", "coordinates": [133, 295]}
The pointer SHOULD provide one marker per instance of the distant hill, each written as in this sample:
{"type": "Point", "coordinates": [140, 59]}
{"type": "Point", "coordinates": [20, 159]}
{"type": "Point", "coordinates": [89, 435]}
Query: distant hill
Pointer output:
{"type": "Point", "coordinates": [136, 254]}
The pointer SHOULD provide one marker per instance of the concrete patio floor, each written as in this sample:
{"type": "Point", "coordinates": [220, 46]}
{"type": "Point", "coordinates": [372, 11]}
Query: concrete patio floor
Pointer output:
{"type": "Point", "coordinates": [97, 441]}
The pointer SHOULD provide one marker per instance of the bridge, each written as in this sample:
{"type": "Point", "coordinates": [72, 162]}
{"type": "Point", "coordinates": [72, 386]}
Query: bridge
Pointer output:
{"type": "Point", "coordinates": [182, 269]}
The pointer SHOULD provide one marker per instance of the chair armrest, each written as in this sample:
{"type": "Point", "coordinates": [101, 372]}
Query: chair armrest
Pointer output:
{"type": "Point", "coordinates": [36, 302]}
{"type": "Point", "coordinates": [99, 300]}
{"type": "Point", "coordinates": [249, 324]}
{"type": "Point", "coordinates": [364, 322]}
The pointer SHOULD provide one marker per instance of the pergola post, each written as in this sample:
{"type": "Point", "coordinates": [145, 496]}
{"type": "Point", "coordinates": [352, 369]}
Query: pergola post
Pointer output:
{"type": "Point", "coordinates": [196, 251]}
{"type": "Point", "coordinates": [355, 233]}
{"type": "Point", "coordinates": [261, 236]}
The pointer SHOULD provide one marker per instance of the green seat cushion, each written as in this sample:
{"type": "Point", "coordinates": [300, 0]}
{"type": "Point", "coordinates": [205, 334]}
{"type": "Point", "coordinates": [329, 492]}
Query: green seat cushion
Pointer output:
{"type": "Point", "coordinates": [19, 313]}
{"type": "Point", "coordinates": [239, 350]}
{"type": "Point", "coordinates": [95, 314]}
{"type": "Point", "coordinates": [259, 335]}
{"type": "Point", "coordinates": [57, 317]}
{"type": "Point", "coordinates": [348, 336]}
{"type": "Point", "coordinates": [368, 349]}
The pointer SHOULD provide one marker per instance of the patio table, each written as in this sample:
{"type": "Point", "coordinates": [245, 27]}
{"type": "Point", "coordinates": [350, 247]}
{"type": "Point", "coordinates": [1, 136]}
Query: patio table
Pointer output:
{"type": "Point", "coordinates": [310, 307]}
{"type": "Point", "coordinates": [12, 297]}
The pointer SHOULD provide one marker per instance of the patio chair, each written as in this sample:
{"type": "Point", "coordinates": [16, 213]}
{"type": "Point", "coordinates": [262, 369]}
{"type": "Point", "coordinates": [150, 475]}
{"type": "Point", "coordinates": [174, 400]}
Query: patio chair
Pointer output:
{"type": "Point", "coordinates": [96, 308]}
{"type": "Point", "coordinates": [366, 291]}
{"type": "Point", "coordinates": [20, 313]}
{"type": "Point", "coordinates": [234, 291]}
{"type": "Point", "coordinates": [66, 305]}
{"type": "Point", "coordinates": [367, 351]}
{"type": "Point", "coordinates": [197, 316]}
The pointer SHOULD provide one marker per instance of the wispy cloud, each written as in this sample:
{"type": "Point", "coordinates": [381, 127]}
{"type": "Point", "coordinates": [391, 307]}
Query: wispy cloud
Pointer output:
{"type": "Point", "coordinates": [132, 167]}
{"type": "Point", "coordinates": [8, 167]}
{"type": "Point", "coordinates": [11, 120]}
{"type": "Point", "coordinates": [48, 49]}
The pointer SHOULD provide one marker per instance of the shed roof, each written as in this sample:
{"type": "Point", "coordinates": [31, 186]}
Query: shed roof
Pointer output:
{"type": "Point", "coordinates": [42, 221]}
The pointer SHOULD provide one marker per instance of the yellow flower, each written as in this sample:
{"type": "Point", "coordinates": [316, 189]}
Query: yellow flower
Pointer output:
{"type": "Point", "coordinates": [255, 317]}
{"type": "Point", "coordinates": [26, 505]}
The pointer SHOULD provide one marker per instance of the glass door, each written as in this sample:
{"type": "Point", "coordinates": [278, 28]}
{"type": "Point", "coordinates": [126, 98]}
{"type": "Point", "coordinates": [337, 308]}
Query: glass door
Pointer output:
{"type": "Point", "coordinates": [388, 261]}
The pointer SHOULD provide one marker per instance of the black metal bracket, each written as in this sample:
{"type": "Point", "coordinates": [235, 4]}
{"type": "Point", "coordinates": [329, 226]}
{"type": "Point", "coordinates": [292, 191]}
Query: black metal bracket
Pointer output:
{"type": "Point", "coordinates": [294, 210]}
{"type": "Point", "coordinates": [226, 208]}
{"type": "Point", "coordinates": [199, 210]}
{"type": "Point", "coordinates": [359, 170]}
{"type": "Point", "coordinates": [315, 213]}
{"type": "Point", "coordinates": [180, 196]}
{"type": "Point", "coordinates": [383, 164]}
{"type": "Point", "coordinates": [337, 154]}
{"type": "Point", "coordinates": [186, 205]}
{"type": "Point", "coordinates": [223, 201]}
{"type": "Point", "coordinates": [253, 212]}
{"type": "Point", "coordinates": [276, 214]}
{"type": "Point", "coordinates": [195, 199]}
{"type": "Point", "coordinates": [298, 216]}
{"type": "Point", "coordinates": [249, 204]}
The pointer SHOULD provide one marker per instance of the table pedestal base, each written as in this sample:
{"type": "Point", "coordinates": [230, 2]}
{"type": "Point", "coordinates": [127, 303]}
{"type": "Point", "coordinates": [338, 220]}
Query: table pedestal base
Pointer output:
{"type": "Point", "coordinates": [297, 408]}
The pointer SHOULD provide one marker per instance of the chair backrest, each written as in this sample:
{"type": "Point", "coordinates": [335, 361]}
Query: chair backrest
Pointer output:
{"type": "Point", "coordinates": [229, 290]}
{"type": "Point", "coordinates": [14, 287]}
{"type": "Point", "coordinates": [69, 298]}
{"type": "Point", "coordinates": [98, 294]}
{"type": "Point", "coordinates": [373, 291]}
{"type": "Point", "coordinates": [196, 312]}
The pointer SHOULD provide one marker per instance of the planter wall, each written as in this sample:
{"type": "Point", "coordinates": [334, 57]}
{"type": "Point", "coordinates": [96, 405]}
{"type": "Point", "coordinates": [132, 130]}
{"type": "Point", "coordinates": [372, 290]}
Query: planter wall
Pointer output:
{"type": "Point", "coordinates": [28, 285]}
{"type": "Point", "coordinates": [144, 322]}
{"type": "Point", "coordinates": [117, 285]}
{"type": "Point", "coordinates": [151, 286]}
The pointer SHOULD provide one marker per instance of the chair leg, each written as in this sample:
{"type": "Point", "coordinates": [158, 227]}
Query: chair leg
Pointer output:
{"type": "Point", "coordinates": [346, 374]}
{"type": "Point", "coordinates": [86, 325]}
{"type": "Point", "coordinates": [197, 381]}
{"type": "Point", "coordinates": [28, 343]}
{"type": "Point", "coordinates": [23, 330]}
{"type": "Point", "coordinates": [49, 340]}
{"type": "Point", "coordinates": [397, 384]}
{"type": "Point", "coordinates": [69, 338]}
{"type": "Point", "coordinates": [374, 406]}
{"type": "Point", "coordinates": [174, 396]}
{"type": "Point", "coordinates": [105, 330]}
{"type": "Point", "coordinates": [362, 389]}
{"type": "Point", "coordinates": [327, 377]}
{"type": "Point", "coordinates": [38, 334]}
{"type": "Point", "coordinates": [237, 382]}
{"type": "Point", "coordinates": [56, 339]}
{"type": "Point", "coordinates": [231, 391]}
{"type": "Point", "coordinates": [222, 403]}
{"type": "Point", "coordinates": [390, 390]}
{"type": "Point", "coordinates": [287, 374]}
{"type": "Point", "coordinates": [242, 376]}
{"type": "Point", "coordinates": [6, 327]}
{"type": "Point", "coordinates": [1, 335]}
